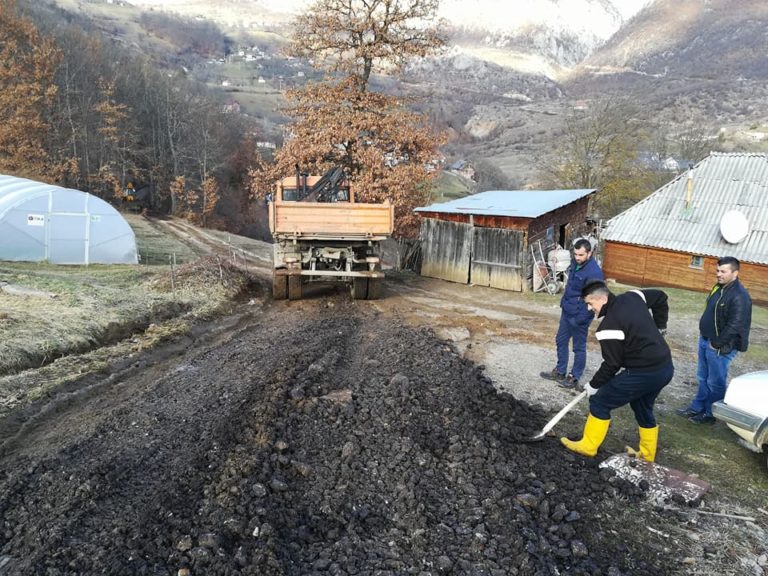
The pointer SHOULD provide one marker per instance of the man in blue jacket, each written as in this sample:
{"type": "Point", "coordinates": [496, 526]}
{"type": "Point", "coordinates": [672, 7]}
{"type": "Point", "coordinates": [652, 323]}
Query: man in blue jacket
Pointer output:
{"type": "Point", "coordinates": [724, 331]}
{"type": "Point", "coordinates": [575, 317]}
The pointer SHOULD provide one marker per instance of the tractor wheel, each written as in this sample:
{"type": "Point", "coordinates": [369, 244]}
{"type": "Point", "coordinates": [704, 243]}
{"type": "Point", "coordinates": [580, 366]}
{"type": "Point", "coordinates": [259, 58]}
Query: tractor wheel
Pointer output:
{"type": "Point", "coordinates": [279, 286]}
{"type": "Point", "coordinates": [294, 287]}
{"type": "Point", "coordinates": [359, 288]}
{"type": "Point", "coordinates": [374, 288]}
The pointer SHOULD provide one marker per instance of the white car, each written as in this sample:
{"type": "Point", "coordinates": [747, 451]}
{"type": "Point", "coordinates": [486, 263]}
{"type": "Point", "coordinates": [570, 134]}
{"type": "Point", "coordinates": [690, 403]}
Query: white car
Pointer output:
{"type": "Point", "coordinates": [745, 410]}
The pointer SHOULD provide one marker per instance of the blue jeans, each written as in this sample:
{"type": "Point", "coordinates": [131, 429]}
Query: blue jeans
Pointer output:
{"type": "Point", "coordinates": [639, 389]}
{"type": "Point", "coordinates": [712, 374]}
{"type": "Point", "coordinates": [576, 330]}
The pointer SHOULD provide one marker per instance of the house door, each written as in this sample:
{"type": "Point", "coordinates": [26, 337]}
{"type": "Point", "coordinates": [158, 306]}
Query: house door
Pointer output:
{"type": "Point", "coordinates": [497, 258]}
{"type": "Point", "coordinates": [446, 250]}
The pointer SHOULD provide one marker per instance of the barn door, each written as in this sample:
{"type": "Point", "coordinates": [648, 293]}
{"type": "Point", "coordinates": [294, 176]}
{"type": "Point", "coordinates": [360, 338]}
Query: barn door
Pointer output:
{"type": "Point", "coordinates": [497, 258]}
{"type": "Point", "coordinates": [446, 250]}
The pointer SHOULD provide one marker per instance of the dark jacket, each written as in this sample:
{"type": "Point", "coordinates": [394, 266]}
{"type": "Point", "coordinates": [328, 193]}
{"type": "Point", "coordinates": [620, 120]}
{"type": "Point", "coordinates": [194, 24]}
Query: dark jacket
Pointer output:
{"type": "Point", "coordinates": [629, 336]}
{"type": "Point", "coordinates": [571, 302]}
{"type": "Point", "coordinates": [732, 317]}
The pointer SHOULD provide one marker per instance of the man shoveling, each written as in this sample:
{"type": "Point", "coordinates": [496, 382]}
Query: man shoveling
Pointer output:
{"type": "Point", "coordinates": [637, 364]}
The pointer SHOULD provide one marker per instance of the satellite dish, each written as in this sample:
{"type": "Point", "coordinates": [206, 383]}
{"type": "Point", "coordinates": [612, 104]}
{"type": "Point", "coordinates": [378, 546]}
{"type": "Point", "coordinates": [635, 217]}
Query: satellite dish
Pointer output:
{"type": "Point", "coordinates": [734, 226]}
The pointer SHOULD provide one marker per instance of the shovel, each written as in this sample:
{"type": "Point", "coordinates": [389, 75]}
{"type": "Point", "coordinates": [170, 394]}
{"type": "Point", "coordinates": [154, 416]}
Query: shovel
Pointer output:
{"type": "Point", "coordinates": [556, 418]}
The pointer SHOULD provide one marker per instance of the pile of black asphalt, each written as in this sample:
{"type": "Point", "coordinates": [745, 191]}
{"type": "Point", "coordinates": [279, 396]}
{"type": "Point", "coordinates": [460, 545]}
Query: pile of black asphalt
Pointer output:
{"type": "Point", "coordinates": [323, 437]}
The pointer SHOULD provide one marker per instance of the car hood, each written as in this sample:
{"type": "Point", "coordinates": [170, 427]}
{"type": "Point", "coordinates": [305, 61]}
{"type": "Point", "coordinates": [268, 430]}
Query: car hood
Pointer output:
{"type": "Point", "coordinates": [749, 392]}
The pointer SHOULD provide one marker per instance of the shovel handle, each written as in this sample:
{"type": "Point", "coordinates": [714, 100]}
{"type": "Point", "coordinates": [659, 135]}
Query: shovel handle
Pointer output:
{"type": "Point", "coordinates": [556, 418]}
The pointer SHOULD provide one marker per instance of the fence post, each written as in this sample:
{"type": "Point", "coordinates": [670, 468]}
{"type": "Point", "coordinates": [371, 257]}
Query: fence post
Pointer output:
{"type": "Point", "coordinates": [172, 262]}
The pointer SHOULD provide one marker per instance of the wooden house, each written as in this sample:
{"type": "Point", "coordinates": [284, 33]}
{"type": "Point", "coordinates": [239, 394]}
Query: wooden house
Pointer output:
{"type": "Point", "coordinates": [485, 239]}
{"type": "Point", "coordinates": [675, 236]}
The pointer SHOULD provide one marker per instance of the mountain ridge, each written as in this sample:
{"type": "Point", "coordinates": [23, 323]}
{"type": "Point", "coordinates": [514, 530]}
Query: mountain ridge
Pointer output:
{"type": "Point", "coordinates": [504, 94]}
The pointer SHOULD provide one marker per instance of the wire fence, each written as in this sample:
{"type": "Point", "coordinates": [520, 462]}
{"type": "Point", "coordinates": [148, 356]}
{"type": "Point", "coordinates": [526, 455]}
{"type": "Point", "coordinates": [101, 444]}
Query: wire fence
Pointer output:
{"type": "Point", "coordinates": [150, 257]}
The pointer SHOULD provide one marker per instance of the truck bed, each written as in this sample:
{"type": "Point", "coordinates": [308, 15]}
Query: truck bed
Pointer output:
{"type": "Point", "coordinates": [337, 220]}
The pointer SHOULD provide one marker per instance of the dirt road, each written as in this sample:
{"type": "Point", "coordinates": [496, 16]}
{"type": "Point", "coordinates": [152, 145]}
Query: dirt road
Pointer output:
{"type": "Point", "coordinates": [312, 437]}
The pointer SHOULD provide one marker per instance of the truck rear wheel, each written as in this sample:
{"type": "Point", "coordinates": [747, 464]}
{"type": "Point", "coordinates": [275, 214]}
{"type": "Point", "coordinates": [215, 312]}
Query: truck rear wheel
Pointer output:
{"type": "Point", "coordinates": [294, 287]}
{"type": "Point", "coordinates": [279, 286]}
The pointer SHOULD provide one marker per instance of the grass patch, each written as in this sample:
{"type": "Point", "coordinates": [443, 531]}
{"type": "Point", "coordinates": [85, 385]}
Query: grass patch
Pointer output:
{"type": "Point", "coordinates": [89, 305]}
{"type": "Point", "coordinates": [155, 246]}
{"type": "Point", "coordinates": [264, 102]}
{"type": "Point", "coordinates": [61, 310]}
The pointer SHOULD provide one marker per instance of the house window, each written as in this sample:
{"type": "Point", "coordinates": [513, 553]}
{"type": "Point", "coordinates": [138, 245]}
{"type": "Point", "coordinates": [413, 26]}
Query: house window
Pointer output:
{"type": "Point", "coordinates": [697, 262]}
{"type": "Point", "coordinates": [550, 236]}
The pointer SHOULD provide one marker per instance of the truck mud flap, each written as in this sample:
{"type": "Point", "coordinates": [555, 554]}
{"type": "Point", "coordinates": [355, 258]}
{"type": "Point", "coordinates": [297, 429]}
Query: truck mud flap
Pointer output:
{"type": "Point", "coordinates": [294, 287]}
{"type": "Point", "coordinates": [279, 285]}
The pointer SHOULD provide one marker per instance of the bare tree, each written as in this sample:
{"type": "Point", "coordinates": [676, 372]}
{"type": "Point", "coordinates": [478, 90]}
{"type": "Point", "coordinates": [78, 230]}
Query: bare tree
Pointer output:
{"type": "Point", "coordinates": [386, 150]}
{"type": "Point", "coordinates": [600, 148]}
{"type": "Point", "coordinates": [351, 36]}
{"type": "Point", "coordinates": [695, 142]}
{"type": "Point", "coordinates": [490, 177]}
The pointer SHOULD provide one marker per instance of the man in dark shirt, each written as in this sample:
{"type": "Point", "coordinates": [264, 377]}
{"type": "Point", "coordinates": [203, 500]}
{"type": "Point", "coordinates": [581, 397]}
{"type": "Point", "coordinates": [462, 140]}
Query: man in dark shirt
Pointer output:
{"type": "Point", "coordinates": [724, 331]}
{"type": "Point", "coordinates": [637, 364]}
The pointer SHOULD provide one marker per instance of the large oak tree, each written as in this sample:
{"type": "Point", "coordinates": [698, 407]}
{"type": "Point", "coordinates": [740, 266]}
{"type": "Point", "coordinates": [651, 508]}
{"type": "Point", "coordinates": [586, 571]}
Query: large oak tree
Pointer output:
{"type": "Point", "coordinates": [351, 36]}
{"type": "Point", "coordinates": [387, 150]}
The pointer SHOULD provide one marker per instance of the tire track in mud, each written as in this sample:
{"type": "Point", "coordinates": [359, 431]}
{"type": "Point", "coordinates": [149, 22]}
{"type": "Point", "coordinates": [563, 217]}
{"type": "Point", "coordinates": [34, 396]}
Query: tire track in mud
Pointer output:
{"type": "Point", "coordinates": [324, 438]}
{"type": "Point", "coordinates": [144, 453]}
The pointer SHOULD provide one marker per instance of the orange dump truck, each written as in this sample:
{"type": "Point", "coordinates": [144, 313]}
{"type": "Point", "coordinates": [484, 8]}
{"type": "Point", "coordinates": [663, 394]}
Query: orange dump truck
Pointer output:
{"type": "Point", "coordinates": [322, 235]}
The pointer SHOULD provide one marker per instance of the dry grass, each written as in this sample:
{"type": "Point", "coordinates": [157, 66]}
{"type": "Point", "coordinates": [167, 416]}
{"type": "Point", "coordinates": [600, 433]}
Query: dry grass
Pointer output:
{"type": "Point", "coordinates": [95, 305]}
{"type": "Point", "coordinates": [155, 247]}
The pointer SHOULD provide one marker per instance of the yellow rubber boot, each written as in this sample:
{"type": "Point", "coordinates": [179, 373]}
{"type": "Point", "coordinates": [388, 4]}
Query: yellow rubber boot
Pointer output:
{"type": "Point", "coordinates": [595, 431]}
{"type": "Point", "coordinates": [649, 439]}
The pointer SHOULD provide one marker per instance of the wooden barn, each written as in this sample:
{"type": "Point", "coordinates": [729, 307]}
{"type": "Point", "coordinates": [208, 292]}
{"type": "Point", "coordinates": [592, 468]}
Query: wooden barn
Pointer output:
{"type": "Point", "coordinates": [485, 239]}
{"type": "Point", "coordinates": [675, 236]}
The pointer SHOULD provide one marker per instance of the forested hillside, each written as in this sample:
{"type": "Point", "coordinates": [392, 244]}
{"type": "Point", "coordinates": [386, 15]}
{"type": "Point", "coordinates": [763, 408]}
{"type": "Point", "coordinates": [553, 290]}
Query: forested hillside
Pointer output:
{"type": "Point", "coordinates": [82, 110]}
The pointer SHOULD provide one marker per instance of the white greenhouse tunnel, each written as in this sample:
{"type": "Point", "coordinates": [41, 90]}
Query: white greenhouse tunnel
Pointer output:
{"type": "Point", "coordinates": [45, 223]}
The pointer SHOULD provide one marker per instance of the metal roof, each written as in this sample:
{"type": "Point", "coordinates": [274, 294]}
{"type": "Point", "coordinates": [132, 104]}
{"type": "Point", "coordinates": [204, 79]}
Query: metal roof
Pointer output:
{"type": "Point", "coordinates": [720, 183]}
{"type": "Point", "coordinates": [516, 203]}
